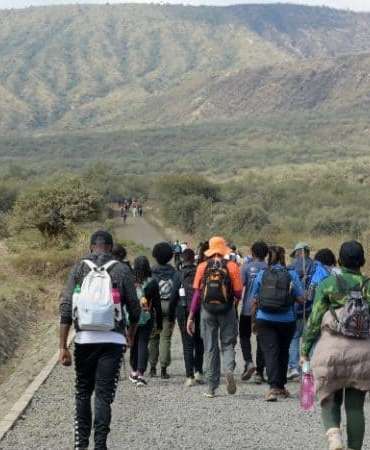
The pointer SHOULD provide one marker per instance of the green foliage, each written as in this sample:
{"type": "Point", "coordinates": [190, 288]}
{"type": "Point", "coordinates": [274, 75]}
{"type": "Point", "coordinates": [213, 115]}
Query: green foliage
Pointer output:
{"type": "Point", "coordinates": [54, 207]}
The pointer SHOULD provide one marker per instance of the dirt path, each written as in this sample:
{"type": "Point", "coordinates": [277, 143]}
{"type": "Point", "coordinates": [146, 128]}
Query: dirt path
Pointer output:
{"type": "Point", "coordinates": [138, 230]}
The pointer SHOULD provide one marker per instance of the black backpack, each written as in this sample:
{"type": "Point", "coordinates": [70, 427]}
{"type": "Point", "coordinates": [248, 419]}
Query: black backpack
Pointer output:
{"type": "Point", "coordinates": [217, 294]}
{"type": "Point", "coordinates": [187, 275]}
{"type": "Point", "coordinates": [275, 295]}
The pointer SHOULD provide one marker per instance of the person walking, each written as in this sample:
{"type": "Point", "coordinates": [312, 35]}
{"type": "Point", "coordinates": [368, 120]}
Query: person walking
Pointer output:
{"type": "Point", "coordinates": [217, 286]}
{"type": "Point", "coordinates": [147, 290]}
{"type": "Point", "coordinates": [97, 289]}
{"type": "Point", "coordinates": [339, 328]}
{"type": "Point", "coordinates": [193, 347]}
{"type": "Point", "coordinates": [249, 272]}
{"type": "Point", "coordinates": [275, 290]}
{"type": "Point", "coordinates": [167, 278]}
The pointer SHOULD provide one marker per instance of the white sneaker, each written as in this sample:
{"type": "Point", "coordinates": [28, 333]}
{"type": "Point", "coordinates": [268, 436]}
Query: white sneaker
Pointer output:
{"type": "Point", "coordinates": [198, 377]}
{"type": "Point", "coordinates": [335, 441]}
{"type": "Point", "coordinates": [190, 382]}
{"type": "Point", "coordinates": [293, 374]}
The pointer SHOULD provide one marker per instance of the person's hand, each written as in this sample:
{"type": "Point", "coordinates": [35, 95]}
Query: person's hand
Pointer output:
{"type": "Point", "coordinates": [190, 327]}
{"type": "Point", "coordinates": [303, 360]}
{"type": "Point", "coordinates": [65, 357]}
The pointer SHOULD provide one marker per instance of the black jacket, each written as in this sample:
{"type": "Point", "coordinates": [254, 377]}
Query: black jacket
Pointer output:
{"type": "Point", "coordinates": [151, 292]}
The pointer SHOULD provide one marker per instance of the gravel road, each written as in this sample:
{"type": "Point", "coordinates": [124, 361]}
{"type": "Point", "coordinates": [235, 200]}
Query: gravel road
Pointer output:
{"type": "Point", "coordinates": [166, 415]}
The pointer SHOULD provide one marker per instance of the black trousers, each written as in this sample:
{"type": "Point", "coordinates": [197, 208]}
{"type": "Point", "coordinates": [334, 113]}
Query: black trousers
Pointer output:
{"type": "Point", "coordinates": [139, 354]}
{"type": "Point", "coordinates": [245, 334]}
{"type": "Point", "coordinates": [193, 347]}
{"type": "Point", "coordinates": [275, 341]}
{"type": "Point", "coordinates": [97, 369]}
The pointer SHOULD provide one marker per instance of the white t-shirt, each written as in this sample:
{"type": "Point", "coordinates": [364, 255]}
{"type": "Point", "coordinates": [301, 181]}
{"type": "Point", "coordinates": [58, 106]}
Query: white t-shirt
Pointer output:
{"type": "Point", "coordinates": [100, 337]}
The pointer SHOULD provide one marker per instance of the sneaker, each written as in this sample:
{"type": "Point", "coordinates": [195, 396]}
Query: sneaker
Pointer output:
{"type": "Point", "coordinates": [211, 393]}
{"type": "Point", "coordinates": [198, 377]}
{"type": "Point", "coordinates": [190, 382]}
{"type": "Point", "coordinates": [293, 374]}
{"type": "Point", "coordinates": [133, 378]}
{"type": "Point", "coordinates": [141, 382]}
{"type": "Point", "coordinates": [164, 374]}
{"type": "Point", "coordinates": [230, 384]}
{"type": "Point", "coordinates": [335, 441]}
{"type": "Point", "coordinates": [258, 379]}
{"type": "Point", "coordinates": [283, 393]}
{"type": "Point", "coordinates": [248, 372]}
{"type": "Point", "coordinates": [271, 396]}
{"type": "Point", "coordinates": [153, 372]}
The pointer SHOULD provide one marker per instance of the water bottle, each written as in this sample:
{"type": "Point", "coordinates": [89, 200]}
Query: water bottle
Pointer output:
{"type": "Point", "coordinates": [116, 295]}
{"type": "Point", "coordinates": [307, 393]}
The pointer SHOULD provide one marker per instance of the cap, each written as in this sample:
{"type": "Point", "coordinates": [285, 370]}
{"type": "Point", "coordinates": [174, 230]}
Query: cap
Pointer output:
{"type": "Point", "coordinates": [300, 246]}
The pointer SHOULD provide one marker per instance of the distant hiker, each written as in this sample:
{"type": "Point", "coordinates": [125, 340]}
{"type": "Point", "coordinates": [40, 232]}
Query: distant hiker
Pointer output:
{"type": "Point", "coordinates": [217, 285]}
{"type": "Point", "coordinates": [184, 246]}
{"type": "Point", "coordinates": [147, 290]}
{"type": "Point", "coordinates": [340, 321]}
{"type": "Point", "coordinates": [120, 254]}
{"type": "Point", "coordinates": [235, 255]}
{"type": "Point", "coordinates": [177, 250]}
{"type": "Point", "coordinates": [304, 266]}
{"type": "Point", "coordinates": [192, 345]}
{"type": "Point", "coordinates": [134, 208]}
{"type": "Point", "coordinates": [98, 287]}
{"type": "Point", "coordinates": [140, 209]}
{"type": "Point", "coordinates": [249, 272]}
{"type": "Point", "coordinates": [324, 264]}
{"type": "Point", "coordinates": [160, 341]}
{"type": "Point", "coordinates": [275, 290]}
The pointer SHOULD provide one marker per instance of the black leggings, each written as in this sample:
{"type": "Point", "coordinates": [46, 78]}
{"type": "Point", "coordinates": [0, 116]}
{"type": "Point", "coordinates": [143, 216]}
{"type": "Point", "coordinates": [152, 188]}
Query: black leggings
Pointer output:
{"type": "Point", "coordinates": [139, 354]}
{"type": "Point", "coordinates": [192, 346]}
{"type": "Point", "coordinates": [245, 334]}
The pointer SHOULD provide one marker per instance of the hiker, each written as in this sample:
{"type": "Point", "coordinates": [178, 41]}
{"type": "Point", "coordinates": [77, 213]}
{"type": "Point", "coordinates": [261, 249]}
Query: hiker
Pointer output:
{"type": "Point", "coordinates": [323, 265]}
{"type": "Point", "coordinates": [217, 285]}
{"type": "Point", "coordinates": [98, 287]}
{"type": "Point", "coordinates": [339, 325]}
{"type": "Point", "coordinates": [203, 247]}
{"type": "Point", "coordinates": [235, 255]}
{"type": "Point", "coordinates": [119, 253]}
{"type": "Point", "coordinates": [192, 345]}
{"type": "Point", "coordinates": [134, 208]}
{"type": "Point", "coordinates": [147, 290]}
{"type": "Point", "coordinates": [275, 290]}
{"type": "Point", "coordinates": [249, 273]}
{"type": "Point", "coordinates": [160, 341]}
{"type": "Point", "coordinates": [177, 250]}
{"type": "Point", "coordinates": [304, 266]}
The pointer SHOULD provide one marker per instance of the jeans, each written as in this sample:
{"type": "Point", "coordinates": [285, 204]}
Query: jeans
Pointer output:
{"type": "Point", "coordinates": [354, 405]}
{"type": "Point", "coordinates": [139, 353]}
{"type": "Point", "coordinates": [294, 350]}
{"type": "Point", "coordinates": [160, 343]}
{"type": "Point", "coordinates": [245, 334]}
{"type": "Point", "coordinates": [97, 369]}
{"type": "Point", "coordinates": [275, 340]}
{"type": "Point", "coordinates": [215, 327]}
{"type": "Point", "coordinates": [192, 346]}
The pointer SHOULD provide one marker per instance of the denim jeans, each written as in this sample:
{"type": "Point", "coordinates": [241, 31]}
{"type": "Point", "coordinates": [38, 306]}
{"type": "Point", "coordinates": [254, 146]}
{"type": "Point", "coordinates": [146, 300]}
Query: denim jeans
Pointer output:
{"type": "Point", "coordinates": [294, 350]}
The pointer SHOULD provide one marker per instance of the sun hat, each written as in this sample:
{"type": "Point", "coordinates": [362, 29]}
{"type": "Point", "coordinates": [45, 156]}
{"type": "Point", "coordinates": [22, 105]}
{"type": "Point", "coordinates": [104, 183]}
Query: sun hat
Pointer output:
{"type": "Point", "coordinates": [217, 246]}
{"type": "Point", "coordinates": [300, 246]}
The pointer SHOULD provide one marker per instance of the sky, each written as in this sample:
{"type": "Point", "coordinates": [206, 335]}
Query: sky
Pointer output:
{"type": "Point", "coordinates": [356, 5]}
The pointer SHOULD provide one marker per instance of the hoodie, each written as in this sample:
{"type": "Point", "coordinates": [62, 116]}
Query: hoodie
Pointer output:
{"type": "Point", "coordinates": [120, 275]}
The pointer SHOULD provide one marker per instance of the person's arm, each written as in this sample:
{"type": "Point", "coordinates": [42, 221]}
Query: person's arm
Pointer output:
{"type": "Point", "coordinates": [197, 298]}
{"type": "Point", "coordinates": [156, 302]}
{"type": "Point", "coordinates": [129, 298]}
{"type": "Point", "coordinates": [297, 287]}
{"type": "Point", "coordinates": [236, 280]}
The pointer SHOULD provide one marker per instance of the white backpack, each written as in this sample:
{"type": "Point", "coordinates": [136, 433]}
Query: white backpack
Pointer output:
{"type": "Point", "coordinates": [93, 306]}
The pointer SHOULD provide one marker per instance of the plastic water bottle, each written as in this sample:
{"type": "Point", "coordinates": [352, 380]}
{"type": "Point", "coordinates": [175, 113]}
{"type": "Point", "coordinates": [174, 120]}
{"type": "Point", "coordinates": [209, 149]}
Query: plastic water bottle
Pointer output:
{"type": "Point", "coordinates": [116, 295]}
{"type": "Point", "coordinates": [307, 393]}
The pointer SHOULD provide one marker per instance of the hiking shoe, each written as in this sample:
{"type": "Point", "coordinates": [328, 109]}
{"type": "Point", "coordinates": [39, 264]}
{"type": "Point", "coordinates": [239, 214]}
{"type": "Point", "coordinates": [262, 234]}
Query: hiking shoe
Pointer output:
{"type": "Point", "coordinates": [293, 374]}
{"type": "Point", "coordinates": [198, 377]}
{"type": "Point", "coordinates": [164, 374]}
{"type": "Point", "coordinates": [141, 382]}
{"type": "Point", "coordinates": [335, 441]}
{"type": "Point", "coordinates": [190, 382]}
{"type": "Point", "coordinates": [153, 372]}
{"type": "Point", "coordinates": [211, 393]}
{"type": "Point", "coordinates": [133, 378]}
{"type": "Point", "coordinates": [283, 393]}
{"type": "Point", "coordinates": [258, 379]}
{"type": "Point", "coordinates": [271, 396]}
{"type": "Point", "coordinates": [230, 384]}
{"type": "Point", "coordinates": [248, 372]}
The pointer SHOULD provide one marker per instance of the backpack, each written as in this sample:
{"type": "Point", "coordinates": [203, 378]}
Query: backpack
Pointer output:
{"type": "Point", "coordinates": [187, 278]}
{"type": "Point", "coordinates": [165, 288]}
{"type": "Point", "coordinates": [93, 305]}
{"type": "Point", "coordinates": [217, 288]}
{"type": "Point", "coordinates": [354, 318]}
{"type": "Point", "coordinates": [275, 291]}
{"type": "Point", "coordinates": [145, 303]}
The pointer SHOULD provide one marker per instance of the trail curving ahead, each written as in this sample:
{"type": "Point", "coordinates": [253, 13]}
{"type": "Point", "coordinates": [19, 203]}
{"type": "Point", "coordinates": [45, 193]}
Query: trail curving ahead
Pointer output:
{"type": "Point", "coordinates": [166, 415]}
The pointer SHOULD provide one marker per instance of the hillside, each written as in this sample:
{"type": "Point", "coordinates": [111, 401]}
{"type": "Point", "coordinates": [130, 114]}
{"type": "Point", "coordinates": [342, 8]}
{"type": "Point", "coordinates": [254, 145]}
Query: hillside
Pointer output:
{"type": "Point", "coordinates": [134, 66]}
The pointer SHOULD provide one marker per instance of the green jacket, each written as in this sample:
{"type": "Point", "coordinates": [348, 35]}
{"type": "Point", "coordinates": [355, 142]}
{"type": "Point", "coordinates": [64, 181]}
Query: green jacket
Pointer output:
{"type": "Point", "coordinates": [328, 295]}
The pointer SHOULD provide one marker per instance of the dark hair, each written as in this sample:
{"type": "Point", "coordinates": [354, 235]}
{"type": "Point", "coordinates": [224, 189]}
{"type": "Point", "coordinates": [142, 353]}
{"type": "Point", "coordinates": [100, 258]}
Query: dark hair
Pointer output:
{"type": "Point", "coordinates": [326, 257]}
{"type": "Point", "coordinates": [233, 247]}
{"type": "Point", "coordinates": [276, 255]}
{"type": "Point", "coordinates": [142, 269]}
{"type": "Point", "coordinates": [188, 255]}
{"type": "Point", "coordinates": [119, 252]}
{"type": "Point", "coordinates": [203, 248]}
{"type": "Point", "coordinates": [352, 255]}
{"type": "Point", "coordinates": [260, 249]}
{"type": "Point", "coordinates": [162, 253]}
{"type": "Point", "coordinates": [101, 237]}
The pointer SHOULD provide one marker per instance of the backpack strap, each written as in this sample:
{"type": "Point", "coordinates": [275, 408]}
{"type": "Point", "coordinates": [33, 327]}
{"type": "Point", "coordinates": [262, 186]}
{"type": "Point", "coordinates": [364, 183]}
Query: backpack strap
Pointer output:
{"type": "Point", "coordinates": [108, 265]}
{"type": "Point", "coordinates": [90, 264]}
{"type": "Point", "coordinates": [341, 284]}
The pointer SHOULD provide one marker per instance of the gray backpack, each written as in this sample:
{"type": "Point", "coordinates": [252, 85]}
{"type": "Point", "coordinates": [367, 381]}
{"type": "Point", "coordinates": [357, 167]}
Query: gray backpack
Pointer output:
{"type": "Point", "coordinates": [353, 320]}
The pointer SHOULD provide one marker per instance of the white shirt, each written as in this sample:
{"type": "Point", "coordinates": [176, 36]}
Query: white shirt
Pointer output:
{"type": "Point", "coordinates": [100, 337]}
